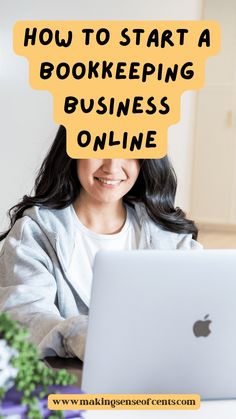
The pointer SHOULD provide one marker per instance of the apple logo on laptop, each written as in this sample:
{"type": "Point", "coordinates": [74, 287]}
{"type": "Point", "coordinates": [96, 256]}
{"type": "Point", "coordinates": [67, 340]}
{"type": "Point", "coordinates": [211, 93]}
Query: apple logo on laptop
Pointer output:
{"type": "Point", "coordinates": [201, 327]}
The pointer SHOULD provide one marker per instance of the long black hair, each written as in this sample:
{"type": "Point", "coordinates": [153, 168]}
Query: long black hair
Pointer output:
{"type": "Point", "coordinates": [57, 186]}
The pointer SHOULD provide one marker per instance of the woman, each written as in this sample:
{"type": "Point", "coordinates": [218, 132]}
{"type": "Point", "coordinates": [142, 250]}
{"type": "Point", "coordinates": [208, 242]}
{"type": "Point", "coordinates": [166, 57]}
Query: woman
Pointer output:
{"type": "Point", "coordinates": [79, 207]}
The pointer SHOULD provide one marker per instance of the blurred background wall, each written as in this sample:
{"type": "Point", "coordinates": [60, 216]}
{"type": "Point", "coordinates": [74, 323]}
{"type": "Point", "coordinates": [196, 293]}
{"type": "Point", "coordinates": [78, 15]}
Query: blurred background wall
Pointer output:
{"type": "Point", "coordinates": [213, 190]}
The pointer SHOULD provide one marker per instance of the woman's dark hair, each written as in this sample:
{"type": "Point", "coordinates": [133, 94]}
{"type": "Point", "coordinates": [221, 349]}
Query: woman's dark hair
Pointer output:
{"type": "Point", "coordinates": [57, 186]}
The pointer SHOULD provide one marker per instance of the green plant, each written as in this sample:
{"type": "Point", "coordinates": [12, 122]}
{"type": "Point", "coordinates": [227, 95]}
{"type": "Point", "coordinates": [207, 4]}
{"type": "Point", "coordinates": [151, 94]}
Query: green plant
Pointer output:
{"type": "Point", "coordinates": [32, 373]}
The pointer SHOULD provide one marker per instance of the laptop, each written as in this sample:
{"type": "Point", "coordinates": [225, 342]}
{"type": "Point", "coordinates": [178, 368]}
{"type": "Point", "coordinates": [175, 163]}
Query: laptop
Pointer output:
{"type": "Point", "coordinates": [162, 322]}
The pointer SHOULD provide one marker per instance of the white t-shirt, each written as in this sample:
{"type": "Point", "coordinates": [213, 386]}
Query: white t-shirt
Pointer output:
{"type": "Point", "coordinates": [89, 242]}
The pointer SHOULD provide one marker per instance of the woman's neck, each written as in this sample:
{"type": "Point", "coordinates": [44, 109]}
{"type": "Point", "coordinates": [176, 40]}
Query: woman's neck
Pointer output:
{"type": "Point", "coordinates": [100, 217]}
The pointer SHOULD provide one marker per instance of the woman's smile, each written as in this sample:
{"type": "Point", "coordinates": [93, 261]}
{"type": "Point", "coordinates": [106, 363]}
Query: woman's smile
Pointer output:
{"type": "Point", "coordinates": [105, 182]}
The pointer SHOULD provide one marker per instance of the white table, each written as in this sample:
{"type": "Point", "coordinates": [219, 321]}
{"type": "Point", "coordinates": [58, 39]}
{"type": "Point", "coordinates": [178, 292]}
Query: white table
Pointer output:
{"type": "Point", "coordinates": [222, 409]}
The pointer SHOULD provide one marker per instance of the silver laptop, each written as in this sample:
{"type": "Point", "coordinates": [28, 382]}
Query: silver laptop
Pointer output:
{"type": "Point", "coordinates": [163, 322]}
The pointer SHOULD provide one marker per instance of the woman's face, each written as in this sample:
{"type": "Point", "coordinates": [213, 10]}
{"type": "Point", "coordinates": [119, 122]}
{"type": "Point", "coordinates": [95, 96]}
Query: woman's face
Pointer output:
{"type": "Point", "coordinates": [107, 180]}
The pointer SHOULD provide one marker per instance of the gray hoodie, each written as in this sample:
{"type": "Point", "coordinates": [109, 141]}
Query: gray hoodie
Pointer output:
{"type": "Point", "coordinates": [36, 288]}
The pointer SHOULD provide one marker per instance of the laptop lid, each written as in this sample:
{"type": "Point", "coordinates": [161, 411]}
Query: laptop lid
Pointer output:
{"type": "Point", "coordinates": [162, 322]}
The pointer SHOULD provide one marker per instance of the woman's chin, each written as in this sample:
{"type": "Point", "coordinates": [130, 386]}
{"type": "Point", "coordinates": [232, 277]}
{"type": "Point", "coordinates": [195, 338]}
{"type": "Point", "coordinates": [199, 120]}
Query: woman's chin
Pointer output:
{"type": "Point", "coordinates": [107, 197]}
